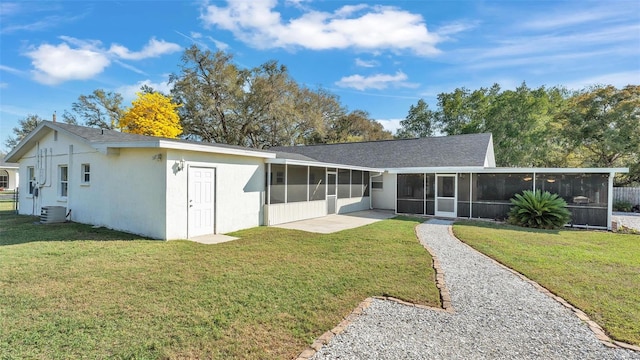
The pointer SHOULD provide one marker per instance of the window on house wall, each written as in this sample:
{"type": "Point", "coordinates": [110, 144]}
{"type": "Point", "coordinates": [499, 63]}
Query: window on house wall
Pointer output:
{"type": "Point", "coordinates": [344, 183]}
{"type": "Point", "coordinates": [410, 193]}
{"type": "Point", "coordinates": [500, 188]}
{"type": "Point", "coordinates": [4, 179]}
{"type": "Point", "coordinates": [86, 173]}
{"type": "Point", "coordinates": [296, 183]}
{"type": "Point", "coordinates": [31, 178]}
{"type": "Point", "coordinates": [277, 184]}
{"type": "Point", "coordinates": [356, 183]}
{"type": "Point", "coordinates": [376, 183]}
{"type": "Point", "coordinates": [316, 183]}
{"type": "Point", "coordinates": [365, 183]}
{"type": "Point", "coordinates": [63, 171]}
{"type": "Point", "coordinates": [464, 195]}
{"type": "Point", "coordinates": [576, 189]}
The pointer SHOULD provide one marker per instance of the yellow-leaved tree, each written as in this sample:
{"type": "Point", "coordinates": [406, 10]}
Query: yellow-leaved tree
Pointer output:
{"type": "Point", "coordinates": [152, 114]}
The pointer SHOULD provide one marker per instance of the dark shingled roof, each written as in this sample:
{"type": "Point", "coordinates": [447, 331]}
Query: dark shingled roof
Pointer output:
{"type": "Point", "coordinates": [95, 135]}
{"type": "Point", "coordinates": [99, 135]}
{"type": "Point", "coordinates": [456, 150]}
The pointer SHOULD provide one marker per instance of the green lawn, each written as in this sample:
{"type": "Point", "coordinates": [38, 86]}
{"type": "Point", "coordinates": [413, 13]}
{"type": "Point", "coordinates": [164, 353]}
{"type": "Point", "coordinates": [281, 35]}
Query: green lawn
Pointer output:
{"type": "Point", "coordinates": [71, 291]}
{"type": "Point", "coordinates": [598, 272]}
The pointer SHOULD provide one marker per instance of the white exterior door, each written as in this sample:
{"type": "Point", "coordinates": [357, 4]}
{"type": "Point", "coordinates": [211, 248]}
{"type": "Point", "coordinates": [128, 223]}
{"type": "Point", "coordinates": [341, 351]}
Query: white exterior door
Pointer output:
{"type": "Point", "coordinates": [201, 194]}
{"type": "Point", "coordinates": [446, 201]}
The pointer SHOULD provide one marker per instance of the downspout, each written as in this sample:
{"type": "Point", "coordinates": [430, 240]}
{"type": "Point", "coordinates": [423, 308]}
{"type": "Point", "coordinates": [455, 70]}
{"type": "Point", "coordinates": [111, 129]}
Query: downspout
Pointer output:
{"type": "Point", "coordinates": [286, 182]}
{"type": "Point", "coordinates": [424, 193]}
{"type": "Point", "coordinates": [268, 202]}
{"type": "Point", "coordinates": [308, 186]}
{"type": "Point", "coordinates": [70, 177]}
{"type": "Point", "coordinates": [470, 195]}
{"type": "Point", "coordinates": [395, 196]}
{"type": "Point", "coordinates": [371, 190]}
{"type": "Point", "coordinates": [610, 200]}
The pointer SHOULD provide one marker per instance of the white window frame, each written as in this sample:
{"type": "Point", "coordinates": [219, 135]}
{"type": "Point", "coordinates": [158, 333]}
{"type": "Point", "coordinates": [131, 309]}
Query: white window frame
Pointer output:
{"type": "Point", "coordinates": [85, 174]}
{"type": "Point", "coordinates": [3, 174]}
{"type": "Point", "coordinates": [378, 182]}
{"type": "Point", "coordinates": [63, 184]}
{"type": "Point", "coordinates": [31, 180]}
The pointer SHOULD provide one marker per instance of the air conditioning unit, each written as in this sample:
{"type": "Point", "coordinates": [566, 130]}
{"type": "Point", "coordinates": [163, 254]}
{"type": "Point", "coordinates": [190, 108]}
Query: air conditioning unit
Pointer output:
{"type": "Point", "coordinates": [53, 214]}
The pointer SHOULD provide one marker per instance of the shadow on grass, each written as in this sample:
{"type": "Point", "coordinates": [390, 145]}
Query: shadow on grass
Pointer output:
{"type": "Point", "coordinates": [21, 229]}
{"type": "Point", "coordinates": [505, 226]}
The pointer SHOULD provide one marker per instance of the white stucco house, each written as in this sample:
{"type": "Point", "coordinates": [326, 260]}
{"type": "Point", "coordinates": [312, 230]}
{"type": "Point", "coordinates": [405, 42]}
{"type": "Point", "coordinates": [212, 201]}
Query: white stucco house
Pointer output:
{"type": "Point", "coordinates": [177, 189]}
{"type": "Point", "coordinates": [9, 175]}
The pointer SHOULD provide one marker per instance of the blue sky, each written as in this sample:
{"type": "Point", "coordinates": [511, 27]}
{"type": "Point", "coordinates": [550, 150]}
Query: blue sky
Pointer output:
{"type": "Point", "coordinates": [377, 56]}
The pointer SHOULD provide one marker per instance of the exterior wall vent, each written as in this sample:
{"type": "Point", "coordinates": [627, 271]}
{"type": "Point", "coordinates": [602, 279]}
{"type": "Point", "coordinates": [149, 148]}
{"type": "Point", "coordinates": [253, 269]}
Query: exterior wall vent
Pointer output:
{"type": "Point", "coordinates": [53, 214]}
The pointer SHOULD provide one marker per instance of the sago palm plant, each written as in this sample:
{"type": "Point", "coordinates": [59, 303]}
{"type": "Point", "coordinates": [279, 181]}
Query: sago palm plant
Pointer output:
{"type": "Point", "coordinates": [539, 209]}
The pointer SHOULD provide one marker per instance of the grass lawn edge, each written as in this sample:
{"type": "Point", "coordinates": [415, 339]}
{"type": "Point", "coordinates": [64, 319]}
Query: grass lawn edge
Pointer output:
{"type": "Point", "coordinates": [600, 333]}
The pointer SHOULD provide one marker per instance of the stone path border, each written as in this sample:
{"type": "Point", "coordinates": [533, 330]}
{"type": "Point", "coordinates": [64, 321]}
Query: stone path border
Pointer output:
{"type": "Point", "coordinates": [445, 299]}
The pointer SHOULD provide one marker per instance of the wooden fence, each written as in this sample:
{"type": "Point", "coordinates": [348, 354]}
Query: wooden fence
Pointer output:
{"type": "Point", "coordinates": [629, 194]}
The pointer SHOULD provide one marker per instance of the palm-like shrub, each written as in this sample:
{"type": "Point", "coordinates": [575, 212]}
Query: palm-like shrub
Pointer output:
{"type": "Point", "coordinates": [539, 209]}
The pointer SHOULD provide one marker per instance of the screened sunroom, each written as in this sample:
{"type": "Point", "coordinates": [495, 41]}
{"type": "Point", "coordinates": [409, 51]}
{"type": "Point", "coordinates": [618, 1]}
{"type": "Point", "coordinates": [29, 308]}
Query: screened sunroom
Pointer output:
{"type": "Point", "coordinates": [486, 193]}
{"type": "Point", "coordinates": [297, 190]}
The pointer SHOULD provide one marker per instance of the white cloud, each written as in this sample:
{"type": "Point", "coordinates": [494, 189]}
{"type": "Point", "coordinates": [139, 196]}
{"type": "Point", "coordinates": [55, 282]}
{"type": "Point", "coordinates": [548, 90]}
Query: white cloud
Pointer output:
{"type": "Point", "coordinates": [390, 124]}
{"type": "Point", "coordinates": [455, 28]}
{"type": "Point", "coordinates": [219, 44]}
{"type": "Point", "coordinates": [361, 27]}
{"type": "Point", "coordinates": [365, 63]}
{"type": "Point", "coordinates": [154, 48]}
{"type": "Point", "coordinates": [9, 69]}
{"type": "Point", "coordinates": [9, 8]}
{"type": "Point", "coordinates": [78, 59]}
{"type": "Point", "coordinates": [377, 81]}
{"type": "Point", "coordinates": [296, 3]}
{"type": "Point", "coordinates": [4, 85]}
{"type": "Point", "coordinates": [617, 79]}
{"type": "Point", "coordinates": [54, 64]}
{"type": "Point", "coordinates": [130, 67]}
{"type": "Point", "coordinates": [571, 17]}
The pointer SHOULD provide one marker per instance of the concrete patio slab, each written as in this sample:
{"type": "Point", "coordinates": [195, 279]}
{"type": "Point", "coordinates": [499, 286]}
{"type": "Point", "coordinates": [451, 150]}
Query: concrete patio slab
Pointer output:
{"type": "Point", "coordinates": [338, 222]}
{"type": "Point", "coordinates": [212, 239]}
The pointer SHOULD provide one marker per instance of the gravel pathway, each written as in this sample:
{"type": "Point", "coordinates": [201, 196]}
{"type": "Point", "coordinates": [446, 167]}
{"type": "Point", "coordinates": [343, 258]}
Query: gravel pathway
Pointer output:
{"type": "Point", "coordinates": [497, 316]}
{"type": "Point", "coordinates": [630, 220]}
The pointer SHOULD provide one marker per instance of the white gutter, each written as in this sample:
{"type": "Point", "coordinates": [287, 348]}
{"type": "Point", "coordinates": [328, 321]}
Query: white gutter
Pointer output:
{"type": "Point", "coordinates": [320, 164]}
{"type": "Point", "coordinates": [175, 145]}
{"type": "Point", "coordinates": [483, 170]}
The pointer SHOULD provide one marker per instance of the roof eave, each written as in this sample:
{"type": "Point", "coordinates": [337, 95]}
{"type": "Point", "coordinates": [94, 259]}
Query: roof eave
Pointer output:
{"type": "Point", "coordinates": [496, 170]}
{"type": "Point", "coordinates": [35, 135]}
{"type": "Point", "coordinates": [174, 145]}
{"type": "Point", "coordinates": [19, 150]}
{"type": "Point", "coordinates": [321, 164]}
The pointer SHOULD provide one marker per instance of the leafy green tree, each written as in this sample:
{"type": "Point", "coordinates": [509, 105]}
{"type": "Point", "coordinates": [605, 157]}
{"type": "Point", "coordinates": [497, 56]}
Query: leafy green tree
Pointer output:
{"type": "Point", "coordinates": [209, 87]}
{"type": "Point", "coordinates": [357, 126]}
{"type": "Point", "coordinates": [418, 123]}
{"type": "Point", "coordinates": [259, 107]}
{"type": "Point", "coordinates": [520, 121]}
{"type": "Point", "coordinates": [276, 110]}
{"type": "Point", "coordinates": [603, 123]}
{"type": "Point", "coordinates": [102, 109]}
{"type": "Point", "coordinates": [464, 111]}
{"type": "Point", "coordinates": [26, 125]}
